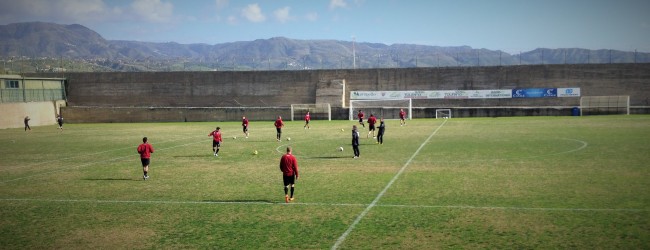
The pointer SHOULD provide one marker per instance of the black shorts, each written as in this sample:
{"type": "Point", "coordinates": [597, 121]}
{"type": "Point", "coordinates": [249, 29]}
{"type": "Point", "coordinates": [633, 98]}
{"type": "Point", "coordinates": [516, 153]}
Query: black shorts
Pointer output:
{"type": "Point", "coordinates": [245, 129]}
{"type": "Point", "coordinates": [216, 144]}
{"type": "Point", "coordinates": [145, 161]}
{"type": "Point", "coordinates": [306, 121]}
{"type": "Point", "coordinates": [60, 123]}
{"type": "Point", "coordinates": [371, 127]}
{"type": "Point", "coordinates": [279, 130]}
{"type": "Point", "coordinates": [289, 180]}
{"type": "Point", "coordinates": [360, 120]}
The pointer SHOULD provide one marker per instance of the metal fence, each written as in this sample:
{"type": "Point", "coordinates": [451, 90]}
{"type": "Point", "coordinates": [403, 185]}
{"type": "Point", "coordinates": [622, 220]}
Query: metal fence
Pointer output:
{"type": "Point", "coordinates": [31, 95]}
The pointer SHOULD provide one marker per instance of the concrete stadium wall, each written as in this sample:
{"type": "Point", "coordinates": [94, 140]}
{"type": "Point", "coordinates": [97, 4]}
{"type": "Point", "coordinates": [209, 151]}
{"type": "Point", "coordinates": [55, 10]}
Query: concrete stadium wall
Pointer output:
{"type": "Point", "coordinates": [282, 88]}
{"type": "Point", "coordinates": [40, 113]}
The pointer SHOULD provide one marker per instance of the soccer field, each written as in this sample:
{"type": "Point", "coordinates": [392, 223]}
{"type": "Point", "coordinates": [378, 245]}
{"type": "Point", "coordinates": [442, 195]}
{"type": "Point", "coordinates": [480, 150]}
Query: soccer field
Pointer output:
{"type": "Point", "coordinates": [521, 182]}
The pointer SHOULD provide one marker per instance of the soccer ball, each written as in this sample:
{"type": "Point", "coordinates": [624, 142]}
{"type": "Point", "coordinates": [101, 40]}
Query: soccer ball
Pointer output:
{"type": "Point", "coordinates": [341, 149]}
{"type": "Point", "coordinates": [342, 130]}
{"type": "Point", "coordinates": [255, 152]}
{"type": "Point", "coordinates": [288, 138]}
{"type": "Point", "coordinates": [234, 137]}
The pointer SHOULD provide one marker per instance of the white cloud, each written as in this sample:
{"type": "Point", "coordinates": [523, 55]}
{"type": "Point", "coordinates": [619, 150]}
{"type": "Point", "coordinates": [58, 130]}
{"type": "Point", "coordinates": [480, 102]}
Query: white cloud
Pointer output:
{"type": "Point", "coordinates": [253, 13]}
{"type": "Point", "coordinates": [337, 4]}
{"type": "Point", "coordinates": [282, 14]}
{"type": "Point", "coordinates": [221, 4]}
{"type": "Point", "coordinates": [154, 11]}
{"type": "Point", "coordinates": [60, 11]}
{"type": "Point", "coordinates": [232, 19]}
{"type": "Point", "coordinates": [313, 16]}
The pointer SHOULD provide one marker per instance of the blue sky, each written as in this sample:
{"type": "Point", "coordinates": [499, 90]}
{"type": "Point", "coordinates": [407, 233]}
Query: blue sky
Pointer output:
{"type": "Point", "coordinates": [509, 25]}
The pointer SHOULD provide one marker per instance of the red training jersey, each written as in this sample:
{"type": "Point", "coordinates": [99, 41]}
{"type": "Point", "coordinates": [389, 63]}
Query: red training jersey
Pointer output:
{"type": "Point", "coordinates": [307, 117]}
{"type": "Point", "coordinates": [216, 135]}
{"type": "Point", "coordinates": [278, 123]}
{"type": "Point", "coordinates": [360, 115]}
{"type": "Point", "coordinates": [402, 114]}
{"type": "Point", "coordinates": [289, 165]}
{"type": "Point", "coordinates": [372, 120]}
{"type": "Point", "coordinates": [244, 122]}
{"type": "Point", "coordinates": [145, 150]}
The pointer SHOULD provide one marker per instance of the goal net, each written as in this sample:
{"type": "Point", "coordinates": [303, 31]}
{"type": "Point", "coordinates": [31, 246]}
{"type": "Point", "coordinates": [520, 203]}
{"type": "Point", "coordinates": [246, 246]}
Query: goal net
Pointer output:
{"type": "Point", "coordinates": [605, 105]}
{"type": "Point", "coordinates": [443, 113]}
{"type": "Point", "coordinates": [387, 109]}
{"type": "Point", "coordinates": [318, 111]}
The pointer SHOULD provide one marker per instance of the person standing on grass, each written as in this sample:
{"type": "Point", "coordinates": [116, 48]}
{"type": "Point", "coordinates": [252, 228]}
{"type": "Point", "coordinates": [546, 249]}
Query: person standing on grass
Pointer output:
{"type": "Point", "coordinates": [402, 117]}
{"type": "Point", "coordinates": [244, 124]}
{"type": "Point", "coordinates": [278, 128]}
{"type": "Point", "coordinates": [380, 133]}
{"type": "Point", "coordinates": [360, 115]}
{"type": "Point", "coordinates": [145, 149]}
{"type": "Point", "coordinates": [59, 120]}
{"type": "Point", "coordinates": [289, 168]}
{"type": "Point", "coordinates": [307, 119]}
{"type": "Point", "coordinates": [216, 140]}
{"type": "Point", "coordinates": [355, 141]}
{"type": "Point", "coordinates": [27, 123]}
{"type": "Point", "coordinates": [371, 125]}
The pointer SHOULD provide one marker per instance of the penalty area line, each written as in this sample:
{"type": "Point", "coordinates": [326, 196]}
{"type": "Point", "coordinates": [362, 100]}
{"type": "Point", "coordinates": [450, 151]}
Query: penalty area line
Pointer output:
{"type": "Point", "coordinates": [356, 221]}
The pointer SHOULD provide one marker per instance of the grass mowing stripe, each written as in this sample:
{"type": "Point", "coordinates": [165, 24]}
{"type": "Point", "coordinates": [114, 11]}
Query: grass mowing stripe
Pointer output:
{"type": "Point", "coordinates": [83, 155]}
{"type": "Point", "coordinates": [390, 183]}
{"type": "Point", "coordinates": [91, 163]}
{"type": "Point", "coordinates": [332, 204]}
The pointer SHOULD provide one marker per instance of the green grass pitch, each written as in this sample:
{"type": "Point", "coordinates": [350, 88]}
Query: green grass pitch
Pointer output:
{"type": "Point", "coordinates": [525, 182]}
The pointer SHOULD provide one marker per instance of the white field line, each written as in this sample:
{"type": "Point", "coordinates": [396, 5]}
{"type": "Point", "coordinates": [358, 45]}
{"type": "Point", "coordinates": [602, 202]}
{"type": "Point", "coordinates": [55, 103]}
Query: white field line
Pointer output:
{"type": "Point", "coordinates": [374, 202]}
{"type": "Point", "coordinates": [329, 204]}
{"type": "Point", "coordinates": [92, 163]}
{"type": "Point", "coordinates": [83, 155]}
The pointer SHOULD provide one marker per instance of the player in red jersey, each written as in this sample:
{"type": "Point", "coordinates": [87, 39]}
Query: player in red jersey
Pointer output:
{"type": "Point", "coordinates": [278, 127]}
{"type": "Point", "coordinates": [289, 168]}
{"type": "Point", "coordinates": [216, 140]}
{"type": "Point", "coordinates": [244, 124]}
{"type": "Point", "coordinates": [360, 115]}
{"type": "Point", "coordinates": [402, 117]}
{"type": "Point", "coordinates": [307, 119]}
{"type": "Point", "coordinates": [145, 149]}
{"type": "Point", "coordinates": [372, 120]}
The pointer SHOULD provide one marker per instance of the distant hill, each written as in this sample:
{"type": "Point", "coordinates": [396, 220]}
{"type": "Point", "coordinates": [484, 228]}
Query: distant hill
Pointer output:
{"type": "Point", "coordinates": [85, 49]}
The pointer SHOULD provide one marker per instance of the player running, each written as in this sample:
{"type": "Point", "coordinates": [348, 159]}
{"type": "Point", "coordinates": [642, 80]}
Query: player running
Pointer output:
{"type": "Point", "coordinates": [145, 149]}
{"type": "Point", "coordinates": [307, 119]}
{"type": "Point", "coordinates": [402, 117]}
{"type": "Point", "coordinates": [289, 168]}
{"type": "Point", "coordinates": [360, 115]}
{"type": "Point", "coordinates": [59, 120]}
{"type": "Point", "coordinates": [244, 124]}
{"type": "Point", "coordinates": [371, 125]}
{"type": "Point", "coordinates": [216, 140]}
{"type": "Point", "coordinates": [278, 128]}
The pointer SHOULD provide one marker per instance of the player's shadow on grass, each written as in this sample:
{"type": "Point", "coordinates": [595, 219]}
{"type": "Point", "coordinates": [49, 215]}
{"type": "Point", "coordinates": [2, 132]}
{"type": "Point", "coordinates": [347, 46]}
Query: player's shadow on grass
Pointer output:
{"type": "Point", "coordinates": [193, 156]}
{"type": "Point", "coordinates": [110, 179]}
{"type": "Point", "coordinates": [240, 201]}
{"type": "Point", "coordinates": [329, 157]}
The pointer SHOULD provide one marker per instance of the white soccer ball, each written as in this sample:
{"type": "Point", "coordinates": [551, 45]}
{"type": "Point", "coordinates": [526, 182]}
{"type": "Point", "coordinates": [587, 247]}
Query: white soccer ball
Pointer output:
{"type": "Point", "coordinates": [288, 138]}
{"type": "Point", "coordinates": [341, 149]}
{"type": "Point", "coordinates": [234, 137]}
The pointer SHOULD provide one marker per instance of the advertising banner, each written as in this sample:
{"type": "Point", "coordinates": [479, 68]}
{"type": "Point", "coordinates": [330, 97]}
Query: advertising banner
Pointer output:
{"type": "Point", "coordinates": [466, 94]}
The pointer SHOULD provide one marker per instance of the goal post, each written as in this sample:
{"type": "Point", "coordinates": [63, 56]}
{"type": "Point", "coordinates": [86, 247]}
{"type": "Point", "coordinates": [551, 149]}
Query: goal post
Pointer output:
{"type": "Point", "coordinates": [443, 113]}
{"type": "Point", "coordinates": [384, 108]}
{"type": "Point", "coordinates": [605, 105]}
{"type": "Point", "coordinates": [318, 111]}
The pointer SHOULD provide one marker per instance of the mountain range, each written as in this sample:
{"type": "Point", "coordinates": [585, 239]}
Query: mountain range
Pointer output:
{"type": "Point", "coordinates": [43, 45]}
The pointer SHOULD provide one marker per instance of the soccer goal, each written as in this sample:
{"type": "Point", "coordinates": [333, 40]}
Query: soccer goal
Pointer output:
{"type": "Point", "coordinates": [605, 105]}
{"type": "Point", "coordinates": [387, 109]}
{"type": "Point", "coordinates": [443, 113]}
{"type": "Point", "coordinates": [318, 111]}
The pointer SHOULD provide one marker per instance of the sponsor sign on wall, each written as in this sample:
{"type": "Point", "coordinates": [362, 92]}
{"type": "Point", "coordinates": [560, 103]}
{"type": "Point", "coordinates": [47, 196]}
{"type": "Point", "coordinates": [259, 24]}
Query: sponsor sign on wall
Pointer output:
{"type": "Point", "coordinates": [466, 94]}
